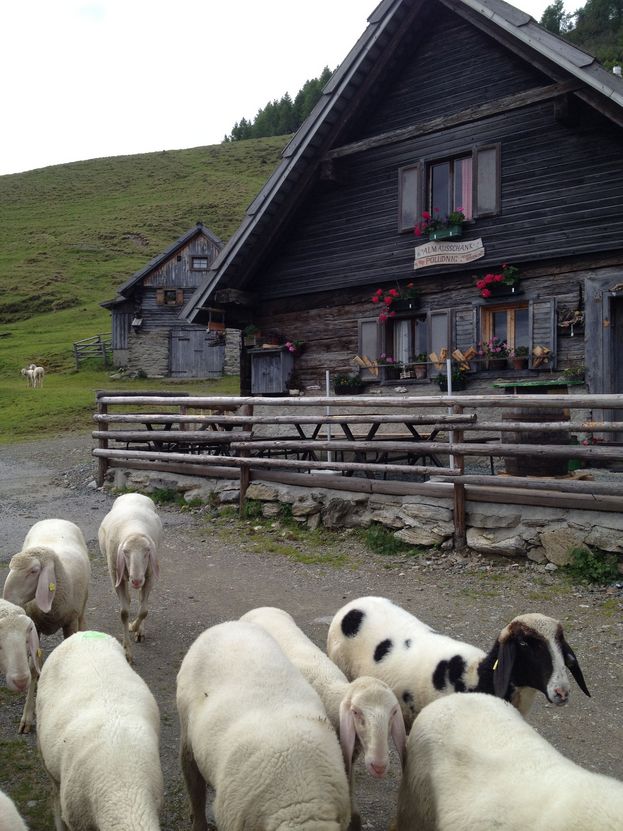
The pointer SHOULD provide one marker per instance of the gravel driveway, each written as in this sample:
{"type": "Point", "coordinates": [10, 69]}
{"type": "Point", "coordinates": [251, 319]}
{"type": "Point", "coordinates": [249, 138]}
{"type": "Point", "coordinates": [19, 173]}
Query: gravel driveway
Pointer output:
{"type": "Point", "coordinates": [215, 569]}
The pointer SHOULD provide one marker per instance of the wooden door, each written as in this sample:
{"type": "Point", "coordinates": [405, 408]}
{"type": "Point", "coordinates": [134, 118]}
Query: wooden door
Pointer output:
{"type": "Point", "coordinates": [196, 353]}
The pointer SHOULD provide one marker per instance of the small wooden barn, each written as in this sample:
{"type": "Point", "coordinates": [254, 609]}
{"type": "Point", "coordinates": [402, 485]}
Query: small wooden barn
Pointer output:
{"type": "Point", "coordinates": [148, 334]}
{"type": "Point", "coordinates": [441, 106]}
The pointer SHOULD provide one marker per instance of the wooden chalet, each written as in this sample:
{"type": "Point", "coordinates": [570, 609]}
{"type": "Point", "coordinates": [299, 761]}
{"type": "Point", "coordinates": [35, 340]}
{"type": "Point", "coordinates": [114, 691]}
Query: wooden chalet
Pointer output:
{"type": "Point", "coordinates": [148, 333]}
{"type": "Point", "coordinates": [441, 104]}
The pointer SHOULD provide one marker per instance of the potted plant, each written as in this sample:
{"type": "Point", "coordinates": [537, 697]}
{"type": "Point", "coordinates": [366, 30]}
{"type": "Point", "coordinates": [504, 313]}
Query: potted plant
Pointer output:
{"type": "Point", "coordinates": [570, 321]}
{"type": "Point", "coordinates": [250, 335]}
{"type": "Point", "coordinates": [295, 346]}
{"type": "Point", "coordinates": [398, 299]}
{"type": "Point", "coordinates": [499, 283]}
{"type": "Point", "coordinates": [494, 353]}
{"type": "Point", "coordinates": [347, 384]}
{"type": "Point", "coordinates": [437, 227]}
{"type": "Point", "coordinates": [420, 365]}
{"type": "Point", "coordinates": [519, 357]}
{"type": "Point", "coordinates": [459, 382]}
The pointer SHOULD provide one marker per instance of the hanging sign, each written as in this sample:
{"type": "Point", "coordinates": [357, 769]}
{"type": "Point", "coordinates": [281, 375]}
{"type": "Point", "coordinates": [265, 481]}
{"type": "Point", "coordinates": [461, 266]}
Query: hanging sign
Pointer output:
{"type": "Point", "coordinates": [448, 253]}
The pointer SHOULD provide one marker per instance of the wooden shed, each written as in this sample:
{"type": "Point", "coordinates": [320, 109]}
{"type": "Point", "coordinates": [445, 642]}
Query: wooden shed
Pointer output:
{"type": "Point", "coordinates": [442, 106]}
{"type": "Point", "coordinates": [148, 333]}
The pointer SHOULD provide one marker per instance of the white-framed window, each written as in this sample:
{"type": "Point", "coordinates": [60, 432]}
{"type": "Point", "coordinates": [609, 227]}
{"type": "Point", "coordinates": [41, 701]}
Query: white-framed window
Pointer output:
{"type": "Point", "coordinates": [199, 264]}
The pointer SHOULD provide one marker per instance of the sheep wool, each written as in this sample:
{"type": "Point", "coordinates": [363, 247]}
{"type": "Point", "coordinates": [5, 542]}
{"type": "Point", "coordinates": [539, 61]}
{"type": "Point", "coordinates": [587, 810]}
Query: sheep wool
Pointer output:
{"type": "Point", "coordinates": [98, 727]}
{"type": "Point", "coordinates": [256, 731]}
{"type": "Point", "coordinates": [10, 819]}
{"type": "Point", "coordinates": [50, 576]}
{"type": "Point", "coordinates": [373, 636]}
{"type": "Point", "coordinates": [129, 538]}
{"type": "Point", "coordinates": [19, 657]}
{"type": "Point", "coordinates": [473, 762]}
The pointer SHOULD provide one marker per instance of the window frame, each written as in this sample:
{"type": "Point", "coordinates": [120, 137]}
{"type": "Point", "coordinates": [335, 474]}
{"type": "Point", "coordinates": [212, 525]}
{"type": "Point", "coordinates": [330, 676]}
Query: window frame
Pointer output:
{"type": "Point", "coordinates": [421, 167]}
{"type": "Point", "coordinates": [203, 258]}
{"type": "Point", "coordinates": [486, 320]}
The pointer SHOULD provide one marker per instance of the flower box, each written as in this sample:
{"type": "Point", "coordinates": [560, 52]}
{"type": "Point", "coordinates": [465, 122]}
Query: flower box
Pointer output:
{"type": "Point", "coordinates": [405, 304]}
{"type": "Point", "coordinates": [501, 290]}
{"type": "Point", "coordinates": [451, 232]}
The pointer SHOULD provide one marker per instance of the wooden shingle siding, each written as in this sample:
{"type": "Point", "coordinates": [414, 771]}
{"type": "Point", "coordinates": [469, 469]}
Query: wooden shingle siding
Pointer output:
{"type": "Point", "coordinates": [120, 329]}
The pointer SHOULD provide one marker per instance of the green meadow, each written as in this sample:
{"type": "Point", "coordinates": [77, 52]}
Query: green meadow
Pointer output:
{"type": "Point", "coordinates": [70, 234]}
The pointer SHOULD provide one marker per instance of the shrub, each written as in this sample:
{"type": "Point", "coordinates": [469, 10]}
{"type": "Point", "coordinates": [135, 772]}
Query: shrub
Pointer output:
{"type": "Point", "coordinates": [589, 566]}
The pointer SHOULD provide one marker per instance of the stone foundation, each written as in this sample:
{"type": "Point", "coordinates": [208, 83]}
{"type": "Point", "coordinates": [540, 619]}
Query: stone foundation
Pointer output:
{"type": "Point", "coordinates": [540, 534]}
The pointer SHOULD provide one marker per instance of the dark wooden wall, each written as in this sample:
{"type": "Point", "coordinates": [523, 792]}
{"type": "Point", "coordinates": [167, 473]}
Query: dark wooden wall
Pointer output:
{"type": "Point", "coordinates": [562, 187]}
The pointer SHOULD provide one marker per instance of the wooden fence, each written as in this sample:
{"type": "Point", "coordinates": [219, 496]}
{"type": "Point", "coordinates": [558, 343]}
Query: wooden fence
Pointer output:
{"type": "Point", "coordinates": [374, 444]}
{"type": "Point", "coordinates": [99, 346]}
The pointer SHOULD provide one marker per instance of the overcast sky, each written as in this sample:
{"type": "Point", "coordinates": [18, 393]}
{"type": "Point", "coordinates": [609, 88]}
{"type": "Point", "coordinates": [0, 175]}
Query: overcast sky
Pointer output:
{"type": "Point", "coordinates": [89, 78]}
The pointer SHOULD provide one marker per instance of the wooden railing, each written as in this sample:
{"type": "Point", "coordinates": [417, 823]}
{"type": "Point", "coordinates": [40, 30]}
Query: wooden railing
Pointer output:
{"type": "Point", "coordinates": [99, 346]}
{"type": "Point", "coordinates": [351, 443]}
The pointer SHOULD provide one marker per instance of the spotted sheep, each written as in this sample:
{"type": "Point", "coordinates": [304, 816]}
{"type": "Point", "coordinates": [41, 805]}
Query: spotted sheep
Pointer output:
{"type": "Point", "coordinates": [373, 636]}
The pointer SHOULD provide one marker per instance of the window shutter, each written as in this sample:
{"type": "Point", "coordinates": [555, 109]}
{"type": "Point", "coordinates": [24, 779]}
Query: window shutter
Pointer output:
{"type": "Point", "coordinates": [464, 329]}
{"type": "Point", "coordinates": [409, 183]}
{"type": "Point", "coordinates": [487, 181]}
{"type": "Point", "coordinates": [179, 297]}
{"type": "Point", "coordinates": [160, 297]}
{"type": "Point", "coordinates": [543, 329]}
{"type": "Point", "coordinates": [368, 343]}
{"type": "Point", "coordinates": [440, 335]}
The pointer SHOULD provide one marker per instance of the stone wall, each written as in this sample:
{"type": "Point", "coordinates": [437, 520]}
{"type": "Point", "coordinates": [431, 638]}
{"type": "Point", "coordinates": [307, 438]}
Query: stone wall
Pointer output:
{"type": "Point", "coordinates": [545, 535]}
{"type": "Point", "coordinates": [232, 352]}
{"type": "Point", "coordinates": [149, 353]}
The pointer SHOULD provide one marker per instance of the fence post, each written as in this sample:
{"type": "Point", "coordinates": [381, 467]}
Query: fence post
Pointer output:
{"type": "Point", "coordinates": [102, 463]}
{"type": "Point", "coordinates": [245, 471]}
{"type": "Point", "coordinates": [458, 489]}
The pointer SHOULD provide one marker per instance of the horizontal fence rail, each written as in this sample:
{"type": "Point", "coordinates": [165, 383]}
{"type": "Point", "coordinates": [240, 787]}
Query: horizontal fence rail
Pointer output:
{"type": "Point", "coordinates": [98, 346]}
{"type": "Point", "coordinates": [377, 444]}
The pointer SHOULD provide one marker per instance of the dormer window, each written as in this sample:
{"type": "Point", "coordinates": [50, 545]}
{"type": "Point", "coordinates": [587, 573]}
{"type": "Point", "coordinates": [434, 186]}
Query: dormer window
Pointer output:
{"type": "Point", "coordinates": [199, 264]}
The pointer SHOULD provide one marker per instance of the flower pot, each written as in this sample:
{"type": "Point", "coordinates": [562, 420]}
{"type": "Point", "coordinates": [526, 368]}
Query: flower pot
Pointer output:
{"type": "Point", "coordinates": [403, 304]}
{"type": "Point", "coordinates": [420, 371]}
{"type": "Point", "coordinates": [451, 232]}
{"type": "Point", "coordinates": [501, 290]}
{"type": "Point", "coordinates": [456, 384]}
{"type": "Point", "coordinates": [520, 363]}
{"type": "Point", "coordinates": [495, 363]}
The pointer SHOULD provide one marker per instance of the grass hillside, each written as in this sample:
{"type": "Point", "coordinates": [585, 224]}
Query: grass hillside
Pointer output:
{"type": "Point", "coordinates": [70, 234]}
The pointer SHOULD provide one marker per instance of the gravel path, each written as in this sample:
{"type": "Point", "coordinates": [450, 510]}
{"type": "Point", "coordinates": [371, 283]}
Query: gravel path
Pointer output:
{"type": "Point", "coordinates": [215, 569]}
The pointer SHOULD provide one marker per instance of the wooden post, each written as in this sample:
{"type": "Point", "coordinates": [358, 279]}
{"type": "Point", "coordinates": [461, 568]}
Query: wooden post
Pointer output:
{"type": "Point", "coordinates": [245, 471]}
{"type": "Point", "coordinates": [102, 463]}
{"type": "Point", "coordinates": [460, 533]}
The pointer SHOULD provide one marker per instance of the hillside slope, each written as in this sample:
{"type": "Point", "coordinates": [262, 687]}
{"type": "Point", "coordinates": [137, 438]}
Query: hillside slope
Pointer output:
{"type": "Point", "coordinates": [70, 234]}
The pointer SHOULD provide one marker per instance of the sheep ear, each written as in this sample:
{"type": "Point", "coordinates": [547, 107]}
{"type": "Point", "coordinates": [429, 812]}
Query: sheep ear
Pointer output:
{"type": "Point", "coordinates": [120, 565]}
{"type": "Point", "coordinates": [46, 586]}
{"type": "Point", "coordinates": [571, 662]}
{"type": "Point", "coordinates": [153, 562]}
{"type": "Point", "coordinates": [503, 667]}
{"type": "Point", "coordinates": [399, 735]}
{"type": "Point", "coordinates": [33, 646]}
{"type": "Point", "coordinates": [347, 734]}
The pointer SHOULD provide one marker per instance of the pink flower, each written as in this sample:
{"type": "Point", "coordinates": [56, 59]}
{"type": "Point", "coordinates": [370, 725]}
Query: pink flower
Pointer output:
{"type": "Point", "coordinates": [497, 278]}
{"type": "Point", "coordinates": [388, 301]}
{"type": "Point", "coordinates": [488, 278]}
{"type": "Point", "coordinates": [394, 292]}
{"type": "Point", "coordinates": [480, 284]}
{"type": "Point", "coordinates": [379, 292]}
{"type": "Point", "coordinates": [375, 298]}
{"type": "Point", "coordinates": [418, 231]}
{"type": "Point", "coordinates": [425, 215]}
{"type": "Point", "coordinates": [486, 293]}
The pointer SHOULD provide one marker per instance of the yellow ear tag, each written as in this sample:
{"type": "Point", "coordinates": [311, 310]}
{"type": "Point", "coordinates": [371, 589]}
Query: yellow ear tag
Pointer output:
{"type": "Point", "coordinates": [495, 665]}
{"type": "Point", "coordinates": [52, 587]}
{"type": "Point", "coordinates": [39, 653]}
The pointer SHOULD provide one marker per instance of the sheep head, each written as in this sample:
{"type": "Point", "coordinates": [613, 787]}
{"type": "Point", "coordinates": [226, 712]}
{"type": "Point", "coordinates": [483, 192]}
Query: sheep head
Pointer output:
{"type": "Point", "coordinates": [135, 554]}
{"type": "Point", "coordinates": [32, 574]}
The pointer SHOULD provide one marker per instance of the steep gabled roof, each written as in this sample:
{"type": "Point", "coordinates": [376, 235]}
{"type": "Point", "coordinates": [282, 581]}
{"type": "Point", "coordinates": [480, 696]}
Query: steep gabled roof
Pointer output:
{"type": "Point", "coordinates": [341, 96]}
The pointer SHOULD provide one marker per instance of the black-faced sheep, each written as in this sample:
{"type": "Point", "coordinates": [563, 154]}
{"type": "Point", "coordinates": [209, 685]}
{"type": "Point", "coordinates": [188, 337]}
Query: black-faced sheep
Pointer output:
{"type": "Point", "coordinates": [473, 762]}
{"type": "Point", "coordinates": [129, 538]}
{"type": "Point", "coordinates": [373, 636]}
{"type": "Point", "coordinates": [98, 730]}
{"type": "Point", "coordinates": [254, 729]}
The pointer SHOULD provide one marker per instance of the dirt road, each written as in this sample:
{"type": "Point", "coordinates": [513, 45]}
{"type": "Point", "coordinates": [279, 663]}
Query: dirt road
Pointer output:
{"type": "Point", "coordinates": [215, 569]}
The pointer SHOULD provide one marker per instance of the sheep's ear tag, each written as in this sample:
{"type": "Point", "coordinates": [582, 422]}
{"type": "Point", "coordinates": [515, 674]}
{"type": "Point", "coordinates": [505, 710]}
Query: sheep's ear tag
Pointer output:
{"type": "Point", "coordinates": [495, 665]}
{"type": "Point", "coordinates": [52, 587]}
{"type": "Point", "coordinates": [39, 653]}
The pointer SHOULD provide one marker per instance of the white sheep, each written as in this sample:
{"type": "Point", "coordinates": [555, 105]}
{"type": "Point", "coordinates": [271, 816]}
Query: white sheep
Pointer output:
{"type": "Point", "coordinates": [373, 636]}
{"type": "Point", "coordinates": [363, 712]}
{"type": "Point", "coordinates": [256, 731]}
{"type": "Point", "coordinates": [28, 374]}
{"type": "Point", "coordinates": [37, 375]}
{"type": "Point", "coordinates": [129, 538]}
{"type": "Point", "coordinates": [98, 729]}
{"type": "Point", "coordinates": [50, 576]}
{"type": "Point", "coordinates": [10, 819]}
{"type": "Point", "coordinates": [19, 658]}
{"type": "Point", "coordinates": [473, 762]}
